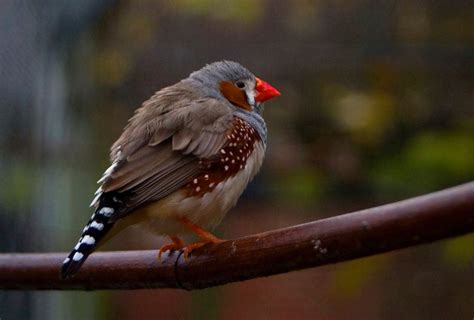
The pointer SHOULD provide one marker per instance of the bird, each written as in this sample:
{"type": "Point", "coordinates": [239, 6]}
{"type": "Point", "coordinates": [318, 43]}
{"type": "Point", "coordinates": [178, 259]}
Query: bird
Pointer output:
{"type": "Point", "coordinates": [182, 161]}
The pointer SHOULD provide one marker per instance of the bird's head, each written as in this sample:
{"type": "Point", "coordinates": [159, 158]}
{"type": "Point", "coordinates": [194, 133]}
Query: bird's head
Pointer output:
{"type": "Point", "coordinates": [230, 80]}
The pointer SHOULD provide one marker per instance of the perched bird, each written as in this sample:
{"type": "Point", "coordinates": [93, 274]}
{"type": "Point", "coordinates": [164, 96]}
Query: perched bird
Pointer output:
{"type": "Point", "coordinates": [182, 161]}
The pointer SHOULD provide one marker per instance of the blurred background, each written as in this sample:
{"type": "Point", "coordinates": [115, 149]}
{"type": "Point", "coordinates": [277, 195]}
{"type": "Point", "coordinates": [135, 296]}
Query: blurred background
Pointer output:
{"type": "Point", "coordinates": [376, 106]}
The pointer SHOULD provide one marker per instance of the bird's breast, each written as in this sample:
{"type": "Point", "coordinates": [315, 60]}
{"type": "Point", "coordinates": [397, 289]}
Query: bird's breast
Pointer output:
{"type": "Point", "coordinates": [209, 196]}
{"type": "Point", "coordinates": [211, 206]}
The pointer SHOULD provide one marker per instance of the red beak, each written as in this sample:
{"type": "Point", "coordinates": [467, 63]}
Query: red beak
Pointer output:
{"type": "Point", "coordinates": [265, 91]}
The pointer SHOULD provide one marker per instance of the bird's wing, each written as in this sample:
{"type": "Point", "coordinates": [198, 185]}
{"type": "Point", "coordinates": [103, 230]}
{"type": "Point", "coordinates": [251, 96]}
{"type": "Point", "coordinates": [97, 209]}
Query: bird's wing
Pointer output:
{"type": "Point", "coordinates": [160, 150]}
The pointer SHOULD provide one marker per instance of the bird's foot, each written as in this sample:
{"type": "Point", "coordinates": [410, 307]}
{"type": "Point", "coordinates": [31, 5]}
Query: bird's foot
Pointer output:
{"type": "Point", "coordinates": [177, 244]}
{"type": "Point", "coordinates": [204, 235]}
{"type": "Point", "coordinates": [193, 246]}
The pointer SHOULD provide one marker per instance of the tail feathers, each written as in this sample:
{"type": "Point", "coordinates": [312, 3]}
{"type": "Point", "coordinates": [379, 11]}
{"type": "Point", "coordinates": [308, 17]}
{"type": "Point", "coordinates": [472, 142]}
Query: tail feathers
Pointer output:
{"type": "Point", "coordinates": [98, 226]}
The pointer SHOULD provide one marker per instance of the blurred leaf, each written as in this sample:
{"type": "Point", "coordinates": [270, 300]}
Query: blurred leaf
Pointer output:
{"type": "Point", "coordinates": [303, 15]}
{"type": "Point", "coordinates": [205, 305]}
{"type": "Point", "coordinates": [18, 183]}
{"type": "Point", "coordinates": [459, 251]}
{"type": "Point", "coordinates": [137, 30]}
{"type": "Point", "coordinates": [430, 160]}
{"type": "Point", "coordinates": [413, 21]}
{"type": "Point", "coordinates": [243, 11]}
{"type": "Point", "coordinates": [350, 278]}
{"type": "Point", "coordinates": [449, 154]}
{"type": "Point", "coordinates": [303, 186]}
{"type": "Point", "coordinates": [365, 115]}
{"type": "Point", "coordinates": [111, 67]}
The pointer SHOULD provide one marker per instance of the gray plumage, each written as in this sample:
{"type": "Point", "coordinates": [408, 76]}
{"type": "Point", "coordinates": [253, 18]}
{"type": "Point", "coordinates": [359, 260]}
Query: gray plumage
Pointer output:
{"type": "Point", "coordinates": [192, 113]}
{"type": "Point", "coordinates": [161, 149]}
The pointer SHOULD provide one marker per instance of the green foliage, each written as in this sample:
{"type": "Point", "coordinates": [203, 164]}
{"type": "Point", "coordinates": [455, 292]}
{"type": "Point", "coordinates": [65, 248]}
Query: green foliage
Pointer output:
{"type": "Point", "coordinates": [243, 11]}
{"type": "Point", "coordinates": [18, 184]}
{"type": "Point", "coordinates": [428, 161]}
{"type": "Point", "coordinates": [302, 187]}
{"type": "Point", "coordinates": [349, 279]}
{"type": "Point", "coordinates": [459, 251]}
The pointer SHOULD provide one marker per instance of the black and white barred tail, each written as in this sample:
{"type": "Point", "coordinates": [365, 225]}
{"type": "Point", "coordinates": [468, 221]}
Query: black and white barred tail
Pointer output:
{"type": "Point", "coordinates": [98, 226]}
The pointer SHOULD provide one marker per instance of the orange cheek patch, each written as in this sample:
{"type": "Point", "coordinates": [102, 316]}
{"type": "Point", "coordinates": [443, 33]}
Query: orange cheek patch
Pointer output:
{"type": "Point", "coordinates": [234, 95]}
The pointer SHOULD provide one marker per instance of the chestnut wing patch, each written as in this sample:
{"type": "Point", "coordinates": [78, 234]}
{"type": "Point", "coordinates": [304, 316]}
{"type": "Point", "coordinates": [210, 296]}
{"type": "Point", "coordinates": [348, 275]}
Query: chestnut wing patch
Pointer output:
{"type": "Point", "coordinates": [232, 158]}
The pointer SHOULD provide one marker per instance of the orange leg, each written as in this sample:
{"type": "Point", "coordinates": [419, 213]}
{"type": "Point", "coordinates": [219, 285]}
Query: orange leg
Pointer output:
{"type": "Point", "coordinates": [205, 236]}
{"type": "Point", "coordinates": [176, 245]}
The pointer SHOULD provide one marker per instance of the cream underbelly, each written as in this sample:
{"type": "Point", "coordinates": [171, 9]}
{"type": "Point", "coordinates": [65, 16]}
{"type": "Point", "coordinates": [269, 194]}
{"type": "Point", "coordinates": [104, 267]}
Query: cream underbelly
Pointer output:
{"type": "Point", "coordinates": [206, 211]}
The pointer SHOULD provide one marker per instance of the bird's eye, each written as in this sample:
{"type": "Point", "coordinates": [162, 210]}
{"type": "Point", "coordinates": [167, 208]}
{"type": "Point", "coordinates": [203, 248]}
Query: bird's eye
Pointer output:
{"type": "Point", "coordinates": [240, 84]}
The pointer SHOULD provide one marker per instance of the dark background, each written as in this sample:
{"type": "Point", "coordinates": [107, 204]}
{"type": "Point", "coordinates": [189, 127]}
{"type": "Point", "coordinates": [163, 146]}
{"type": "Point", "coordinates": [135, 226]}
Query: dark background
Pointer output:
{"type": "Point", "coordinates": [376, 106]}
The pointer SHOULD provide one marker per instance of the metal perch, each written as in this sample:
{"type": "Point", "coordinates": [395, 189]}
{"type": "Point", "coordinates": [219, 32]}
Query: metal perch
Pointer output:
{"type": "Point", "coordinates": [363, 233]}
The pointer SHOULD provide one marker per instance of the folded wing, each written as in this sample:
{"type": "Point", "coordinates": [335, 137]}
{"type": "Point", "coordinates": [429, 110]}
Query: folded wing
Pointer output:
{"type": "Point", "coordinates": [162, 147]}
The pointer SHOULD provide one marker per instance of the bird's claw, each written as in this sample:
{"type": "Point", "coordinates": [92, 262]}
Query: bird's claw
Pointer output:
{"type": "Point", "coordinates": [193, 246]}
{"type": "Point", "coordinates": [177, 244]}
